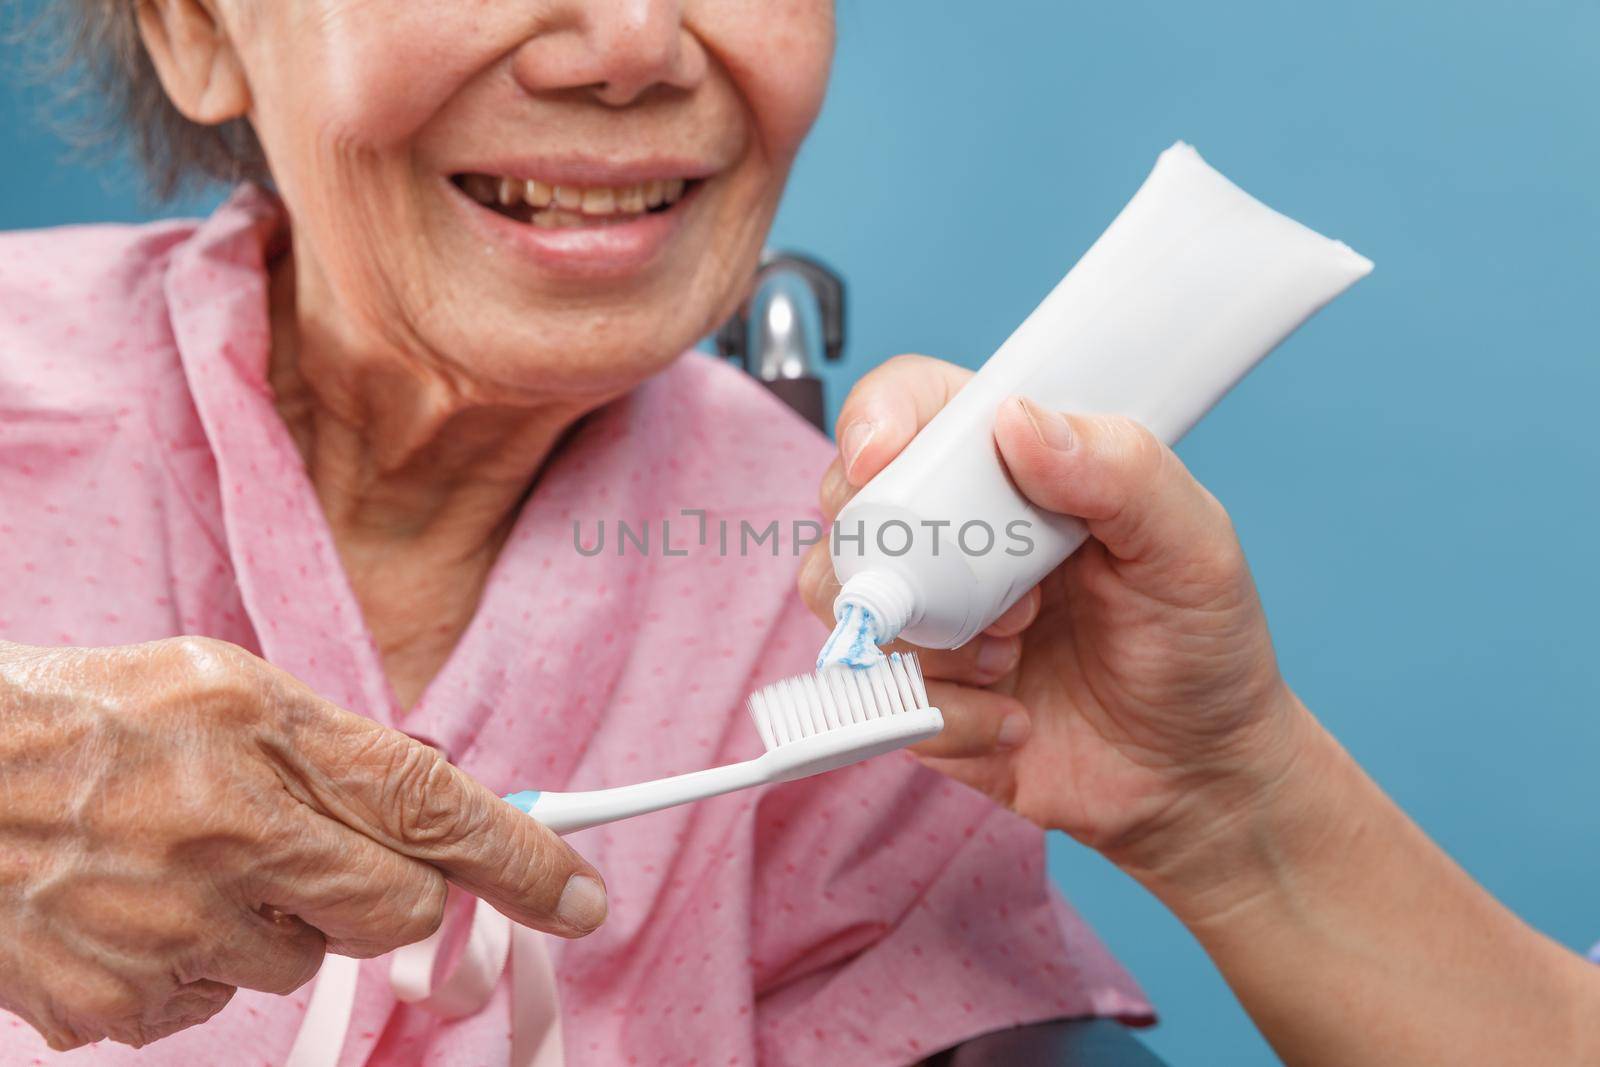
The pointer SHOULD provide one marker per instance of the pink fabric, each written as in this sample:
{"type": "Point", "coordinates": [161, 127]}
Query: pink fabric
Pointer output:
{"type": "Point", "coordinates": [870, 916]}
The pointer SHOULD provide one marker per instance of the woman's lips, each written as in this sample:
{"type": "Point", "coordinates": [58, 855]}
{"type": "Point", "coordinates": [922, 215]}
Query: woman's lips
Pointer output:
{"type": "Point", "coordinates": [587, 230]}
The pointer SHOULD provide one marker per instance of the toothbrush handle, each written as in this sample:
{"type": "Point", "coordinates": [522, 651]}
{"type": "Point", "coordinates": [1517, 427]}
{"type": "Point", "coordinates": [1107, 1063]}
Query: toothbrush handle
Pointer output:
{"type": "Point", "coordinates": [567, 812]}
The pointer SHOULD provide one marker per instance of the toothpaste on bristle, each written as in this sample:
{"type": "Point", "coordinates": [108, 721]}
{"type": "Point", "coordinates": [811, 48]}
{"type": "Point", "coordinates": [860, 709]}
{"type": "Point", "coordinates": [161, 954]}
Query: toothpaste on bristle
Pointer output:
{"type": "Point", "coordinates": [854, 641]}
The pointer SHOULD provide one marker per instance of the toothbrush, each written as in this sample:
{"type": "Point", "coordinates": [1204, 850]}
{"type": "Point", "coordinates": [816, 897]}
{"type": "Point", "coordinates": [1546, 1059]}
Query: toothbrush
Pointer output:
{"type": "Point", "coordinates": [809, 724]}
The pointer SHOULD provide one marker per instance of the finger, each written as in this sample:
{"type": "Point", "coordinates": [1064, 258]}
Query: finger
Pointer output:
{"type": "Point", "coordinates": [1136, 496]}
{"type": "Point", "coordinates": [273, 953]}
{"type": "Point", "coordinates": [1019, 616]}
{"type": "Point", "coordinates": [982, 661]}
{"type": "Point", "coordinates": [977, 722]}
{"type": "Point", "coordinates": [405, 796]}
{"type": "Point", "coordinates": [818, 585]}
{"type": "Point", "coordinates": [362, 896]}
{"type": "Point", "coordinates": [888, 406]}
{"type": "Point", "coordinates": [993, 775]}
{"type": "Point", "coordinates": [190, 1005]}
{"type": "Point", "coordinates": [835, 491]}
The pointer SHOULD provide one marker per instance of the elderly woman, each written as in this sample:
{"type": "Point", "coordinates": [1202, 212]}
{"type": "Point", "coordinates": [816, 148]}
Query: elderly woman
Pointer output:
{"type": "Point", "coordinates": [291, 590]}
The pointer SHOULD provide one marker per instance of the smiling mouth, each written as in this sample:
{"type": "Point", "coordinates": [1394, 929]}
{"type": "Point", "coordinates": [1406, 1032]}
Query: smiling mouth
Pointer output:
{"type": "Point", "coordinates": [568, 206]}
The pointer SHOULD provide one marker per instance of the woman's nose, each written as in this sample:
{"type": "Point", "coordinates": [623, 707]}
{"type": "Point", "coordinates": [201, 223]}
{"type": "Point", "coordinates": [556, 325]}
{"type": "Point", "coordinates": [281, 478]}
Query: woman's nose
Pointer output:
{"type": "Point", "coordinates": [617, 50]}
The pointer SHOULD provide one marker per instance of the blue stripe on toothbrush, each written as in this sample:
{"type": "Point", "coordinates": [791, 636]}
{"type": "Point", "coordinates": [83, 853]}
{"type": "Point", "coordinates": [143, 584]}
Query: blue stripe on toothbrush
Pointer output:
{"type": "Point", "coordinates": [523, 801]}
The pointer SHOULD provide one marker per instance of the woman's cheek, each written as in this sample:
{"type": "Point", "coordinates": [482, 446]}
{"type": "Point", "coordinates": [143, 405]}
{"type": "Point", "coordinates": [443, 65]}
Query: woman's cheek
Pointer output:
{"type": "Point", "coordinates": [779, 54]}
{"type": "Point", "coordinates": [370, 75]}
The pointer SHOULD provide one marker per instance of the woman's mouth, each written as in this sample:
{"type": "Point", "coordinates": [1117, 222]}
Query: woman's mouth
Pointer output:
{"type": "Point", "coordinates": [581, 230]}
{"type": "Point", "coordinates": [567, 206]}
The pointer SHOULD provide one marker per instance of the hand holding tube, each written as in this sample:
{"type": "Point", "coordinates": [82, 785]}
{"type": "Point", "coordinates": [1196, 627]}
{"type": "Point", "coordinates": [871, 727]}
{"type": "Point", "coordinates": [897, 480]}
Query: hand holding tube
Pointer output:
{"type": "Point", "coordinates": [1143, 663]}
{"type": "Point", "coordinates": [1134, 701]}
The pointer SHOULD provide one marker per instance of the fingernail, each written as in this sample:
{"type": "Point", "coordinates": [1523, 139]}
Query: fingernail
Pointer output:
{"type": "Point", "coordinates": [997, 655]}
{"type": "Point", "coordinates": [1052, 427]}
{"type": "Point", "coordinates": [583, 904]}
{"type": "Point", "coordinates": [1013, 731]}
{"type": "Point", "coordinates": [852, 441]}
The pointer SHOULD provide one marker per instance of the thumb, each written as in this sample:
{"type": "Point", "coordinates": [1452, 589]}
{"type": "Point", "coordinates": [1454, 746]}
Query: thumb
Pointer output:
{"type": "Point", "coordinates": [1135, 495]}
{"type": "Point", "coordinates": [406, 796]}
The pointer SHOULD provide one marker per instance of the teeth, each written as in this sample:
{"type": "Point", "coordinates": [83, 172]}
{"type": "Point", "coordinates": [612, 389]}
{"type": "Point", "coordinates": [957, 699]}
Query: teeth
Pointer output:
{"type": "Point", "coordinates": [556, 219]}
{"type": "Point", "coordinates": [481, 188]}
{"type": "Point", "coordinates": [567, 205]}
{"type": "Point", "coordinates": [601, 201]}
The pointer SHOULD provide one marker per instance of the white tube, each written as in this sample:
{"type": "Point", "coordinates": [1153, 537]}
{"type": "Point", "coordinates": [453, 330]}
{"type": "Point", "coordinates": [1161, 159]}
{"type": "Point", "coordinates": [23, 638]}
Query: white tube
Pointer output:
{"type": "Point", "coordinates": [1190, 286]}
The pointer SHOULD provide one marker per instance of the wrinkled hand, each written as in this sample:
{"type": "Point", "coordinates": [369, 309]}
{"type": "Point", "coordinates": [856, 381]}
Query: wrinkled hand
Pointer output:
{"type": "Point", "coordinates": [1138, 678]}
{"type": "Point", "coordinates": [178, 819]}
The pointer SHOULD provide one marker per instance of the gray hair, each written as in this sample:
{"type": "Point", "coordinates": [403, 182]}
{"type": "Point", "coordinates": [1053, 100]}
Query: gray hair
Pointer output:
{"type": "Point", "coordinates": [115, 92]}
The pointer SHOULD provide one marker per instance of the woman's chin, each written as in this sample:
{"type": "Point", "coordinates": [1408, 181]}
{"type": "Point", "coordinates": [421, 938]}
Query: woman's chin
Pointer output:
{"type": "Point", "coordinates": [566, 370]}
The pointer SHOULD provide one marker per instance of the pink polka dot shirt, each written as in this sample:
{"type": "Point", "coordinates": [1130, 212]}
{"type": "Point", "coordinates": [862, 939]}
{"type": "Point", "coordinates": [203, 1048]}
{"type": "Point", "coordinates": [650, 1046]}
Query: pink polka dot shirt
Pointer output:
{"type": "Point", "coordinates": [873, 915]}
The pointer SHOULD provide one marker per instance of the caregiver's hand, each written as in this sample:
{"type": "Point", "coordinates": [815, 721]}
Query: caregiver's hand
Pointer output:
{"type": "Point", "coordinates": [1134, 694]}
{"type": "Point", "coordinates": [179, 818]}
{"type": "Point", "coordinates": [1134, 701]}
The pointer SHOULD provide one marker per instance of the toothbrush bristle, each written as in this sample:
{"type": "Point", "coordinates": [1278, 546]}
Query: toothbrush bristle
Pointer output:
{"type": "Point", "coordinates": [837, 697]}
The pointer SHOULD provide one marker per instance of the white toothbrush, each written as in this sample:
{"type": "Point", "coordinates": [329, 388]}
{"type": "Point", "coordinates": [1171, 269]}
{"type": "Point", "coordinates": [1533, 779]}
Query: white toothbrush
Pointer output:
{"type": "Point", "coordinates": [810, 724]}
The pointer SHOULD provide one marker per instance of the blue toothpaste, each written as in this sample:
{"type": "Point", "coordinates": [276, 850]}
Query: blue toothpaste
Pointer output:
{"type": "Point", "coordinates": [854, 641]}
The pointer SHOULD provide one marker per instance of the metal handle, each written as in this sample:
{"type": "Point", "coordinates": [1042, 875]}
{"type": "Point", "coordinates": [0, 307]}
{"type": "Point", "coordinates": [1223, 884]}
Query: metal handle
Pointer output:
{"type": "Point", "coordinates": [733, 339]}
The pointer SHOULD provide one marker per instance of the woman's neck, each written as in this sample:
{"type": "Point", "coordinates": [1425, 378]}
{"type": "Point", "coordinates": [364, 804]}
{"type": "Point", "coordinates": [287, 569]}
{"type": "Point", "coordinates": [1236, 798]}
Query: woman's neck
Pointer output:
{"type": "Point", "coordinates": [420, 475]}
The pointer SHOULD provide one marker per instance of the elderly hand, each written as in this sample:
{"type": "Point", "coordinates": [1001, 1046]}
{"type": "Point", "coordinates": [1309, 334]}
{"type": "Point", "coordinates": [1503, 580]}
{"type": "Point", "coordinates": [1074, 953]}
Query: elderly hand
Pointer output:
{"type": "Point", "coordinates": [180, 819]}
{"type": "Point", "coordinates": [1134, 693]}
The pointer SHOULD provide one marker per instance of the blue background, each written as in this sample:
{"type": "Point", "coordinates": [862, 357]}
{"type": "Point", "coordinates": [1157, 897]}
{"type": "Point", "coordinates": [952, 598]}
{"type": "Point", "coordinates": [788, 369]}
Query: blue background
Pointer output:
{"type": "Point", "coordinates": [1414, 474]}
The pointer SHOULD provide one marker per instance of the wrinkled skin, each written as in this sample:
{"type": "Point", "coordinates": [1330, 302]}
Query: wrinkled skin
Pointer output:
{"type": "Point", "coordinates": [1137, 682]}
{"type": "Point", "coordinates": [181, 819]}
{"type": "Point", "coordinates": [425, 369]}
{"type": "Point", "coordinates": [366, 109]}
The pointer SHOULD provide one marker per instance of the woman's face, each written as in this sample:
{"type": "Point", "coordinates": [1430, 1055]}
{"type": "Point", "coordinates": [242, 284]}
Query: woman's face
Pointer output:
{"type": "Point", "coordinates": [642, 146]}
